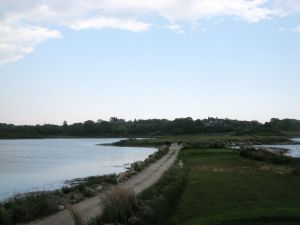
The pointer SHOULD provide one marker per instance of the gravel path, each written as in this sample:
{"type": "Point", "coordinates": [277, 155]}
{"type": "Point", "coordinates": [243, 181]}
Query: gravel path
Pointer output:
{"type": "Point", "coordinates": [92, 207]}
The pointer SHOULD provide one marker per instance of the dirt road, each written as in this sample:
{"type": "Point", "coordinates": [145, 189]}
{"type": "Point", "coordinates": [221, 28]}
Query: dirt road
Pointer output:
{"type": "Point", "coordinates": [92, 207]}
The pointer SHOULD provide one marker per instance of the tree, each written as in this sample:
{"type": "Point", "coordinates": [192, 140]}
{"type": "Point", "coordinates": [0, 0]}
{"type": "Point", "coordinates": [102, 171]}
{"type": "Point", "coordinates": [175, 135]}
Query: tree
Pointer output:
{"type": "Point", "coordinates": [65, 124]}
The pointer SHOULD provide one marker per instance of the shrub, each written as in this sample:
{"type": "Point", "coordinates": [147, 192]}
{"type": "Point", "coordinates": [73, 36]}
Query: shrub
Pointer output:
{"type": "Point", "coordinates": [4, 217]}
{"type": "Point", "coordinates": [66, 190]}
{"type": "Point", "coordinates": [95, 180]}
{"type": "Point", "coordinates": [296, 172]}
{"type": "Point", "coordinates": [85, 191]}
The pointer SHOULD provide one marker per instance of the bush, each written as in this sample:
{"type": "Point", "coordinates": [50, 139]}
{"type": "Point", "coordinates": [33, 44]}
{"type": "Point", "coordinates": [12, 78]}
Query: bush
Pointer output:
{"type": "Point", "coordinates": [66, 190]}
{"type": "Point", "coordinates": [4, 217]}
{"type": "Point", "coordinates": [296, 172]}
{"type": "Point", "coordinates": [85, 191]}
{"type": "Point", "coordinates": [95, 180]}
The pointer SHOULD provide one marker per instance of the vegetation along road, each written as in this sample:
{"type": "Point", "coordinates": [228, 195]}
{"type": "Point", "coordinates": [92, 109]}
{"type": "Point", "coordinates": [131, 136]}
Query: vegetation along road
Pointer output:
{"type": "Point", "coordinates": [92, 207]}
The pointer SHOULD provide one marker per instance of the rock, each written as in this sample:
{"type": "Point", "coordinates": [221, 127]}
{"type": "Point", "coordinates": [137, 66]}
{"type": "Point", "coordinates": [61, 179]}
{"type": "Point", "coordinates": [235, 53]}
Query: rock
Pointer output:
{"type": "Point", "coordinates": [61, 207]}
{"type": "Point", "coordinates": [127, 166]}
{"type": "Point", "coordinates": [163, 148]}
{"type": "Point", "coordinates": [113, 224]}
{"type": "Point", "coordinates": [121, 177]}
{"type": "Point", "coordinates": [99, 188]}
{"type": "Point", "coordinates": [180, 164]}
{"type": "Point", "coordinates": [134, 221]}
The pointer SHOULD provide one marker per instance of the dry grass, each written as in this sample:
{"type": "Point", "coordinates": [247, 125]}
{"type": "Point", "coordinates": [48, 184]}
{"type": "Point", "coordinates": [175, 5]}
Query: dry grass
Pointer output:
{"type": "Point", "coordinates": [76, 216]}
{"type": "Point", "coordinates": [118, 205]}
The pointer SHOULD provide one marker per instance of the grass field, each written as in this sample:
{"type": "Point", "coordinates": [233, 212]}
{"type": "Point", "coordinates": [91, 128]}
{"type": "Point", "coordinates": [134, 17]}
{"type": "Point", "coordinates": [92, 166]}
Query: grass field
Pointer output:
{"type": "Point", "coordinates": [224, 188]}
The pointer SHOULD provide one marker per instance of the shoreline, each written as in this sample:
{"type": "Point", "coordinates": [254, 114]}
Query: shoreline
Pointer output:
{"type": "Point", "coordinates": [81, 189]}
{"type": "Point", "coordinates": [275, 150]}
{"type": "Point", "coordinates": [72, 183]}
{"type": "Point", "coordinates": [281, 149]}
{"type": "Point", "coordinates": [58, 180]}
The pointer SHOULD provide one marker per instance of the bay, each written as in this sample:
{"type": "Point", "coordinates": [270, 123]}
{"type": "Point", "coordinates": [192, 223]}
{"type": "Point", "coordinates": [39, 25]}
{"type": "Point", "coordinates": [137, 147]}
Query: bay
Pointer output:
{"type": "Point", "coordinates": [45, 164]}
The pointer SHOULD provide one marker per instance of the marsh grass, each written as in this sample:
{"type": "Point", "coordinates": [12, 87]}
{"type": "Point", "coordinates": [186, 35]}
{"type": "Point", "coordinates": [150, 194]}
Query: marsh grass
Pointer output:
{"type": "Point", "coordinates": [266, 156]}
{"type": "Point", "coordinates": [206, 140]}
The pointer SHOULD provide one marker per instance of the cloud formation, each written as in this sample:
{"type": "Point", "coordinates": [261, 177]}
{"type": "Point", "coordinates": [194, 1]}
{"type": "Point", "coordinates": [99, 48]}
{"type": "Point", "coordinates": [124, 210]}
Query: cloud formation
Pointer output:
{"type": "Point", "coordinates": [17, 40]}
{"type": "Point", "coordinates": [297, 29]}
{"type": "Point", "coordinates": [25, 24]}
{"type": "Point", "coordinates": [103, 22]}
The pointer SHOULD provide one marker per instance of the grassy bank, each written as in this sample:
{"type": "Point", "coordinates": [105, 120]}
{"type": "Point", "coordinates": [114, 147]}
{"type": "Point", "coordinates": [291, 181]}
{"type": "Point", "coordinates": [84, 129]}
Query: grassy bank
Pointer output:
{"type": "Point", "coordinates": [206, 140]}
{"type": "Point", "coordinates": [269, 157]}
{"type": "Point", "coordinates": [224, 188]}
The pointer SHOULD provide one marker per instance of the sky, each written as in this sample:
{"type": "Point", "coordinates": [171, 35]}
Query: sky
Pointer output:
{"type": "Point", "coordinates": [86, 60]}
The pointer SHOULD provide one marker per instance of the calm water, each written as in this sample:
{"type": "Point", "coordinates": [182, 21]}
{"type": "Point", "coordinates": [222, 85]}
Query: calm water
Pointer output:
{"type": "Point", "coordinates": [45, 164]}
{"type": "Point", "coordinates": [294, 150]}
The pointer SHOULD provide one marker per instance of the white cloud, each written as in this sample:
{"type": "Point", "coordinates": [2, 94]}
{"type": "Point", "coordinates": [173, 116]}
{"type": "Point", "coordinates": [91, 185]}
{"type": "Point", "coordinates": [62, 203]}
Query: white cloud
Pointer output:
{"type": "Point", "coordinates": [18, 40]}
{"type": "Point", "coordinates": [24, 24]}
{"type": "Point", "coordinates": [175, 27]}
{"type": "Point", "coordinates": [103, 22]}
{"type": "Point", "coordinates": [287, 6]}
{"type": "Point", "coordinates": [282, 29]}
{"type": "Point", "coordinates": [297, 29]}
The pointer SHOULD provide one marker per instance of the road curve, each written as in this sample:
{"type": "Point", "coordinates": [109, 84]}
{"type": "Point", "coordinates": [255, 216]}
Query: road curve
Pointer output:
{"type": "Point", "coordinates": [92, 207]}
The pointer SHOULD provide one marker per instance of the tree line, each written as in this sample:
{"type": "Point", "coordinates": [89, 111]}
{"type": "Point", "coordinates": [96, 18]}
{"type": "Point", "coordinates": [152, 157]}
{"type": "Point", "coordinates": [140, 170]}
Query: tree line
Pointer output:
{"type": "Point", "coordinates": [116, 127]}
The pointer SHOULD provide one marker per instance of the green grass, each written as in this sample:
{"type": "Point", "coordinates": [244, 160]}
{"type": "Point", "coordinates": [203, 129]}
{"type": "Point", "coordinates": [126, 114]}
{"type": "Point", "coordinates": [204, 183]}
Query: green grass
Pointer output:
{"type": "Point", "coordinates": [224, 188]}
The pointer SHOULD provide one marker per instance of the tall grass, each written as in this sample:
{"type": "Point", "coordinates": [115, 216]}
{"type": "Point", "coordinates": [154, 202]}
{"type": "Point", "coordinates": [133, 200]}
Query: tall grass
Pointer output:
{"type": "Point", "coordinates": [119, 205]}
{"type": "Point", "coordinates": [76, 216]}
{"type": "Point", "coordinates": [26, 208]}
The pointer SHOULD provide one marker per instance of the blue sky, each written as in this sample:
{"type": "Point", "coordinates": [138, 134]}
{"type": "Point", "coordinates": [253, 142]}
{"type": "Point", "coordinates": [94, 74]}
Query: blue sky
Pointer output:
{"type": "Point", "coordinates": [240, 61]}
